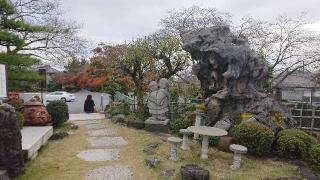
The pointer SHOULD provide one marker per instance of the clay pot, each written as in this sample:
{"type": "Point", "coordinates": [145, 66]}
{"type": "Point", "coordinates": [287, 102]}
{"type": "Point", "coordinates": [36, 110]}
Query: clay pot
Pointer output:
{"type": "Point", "coordinates": [35, 114]}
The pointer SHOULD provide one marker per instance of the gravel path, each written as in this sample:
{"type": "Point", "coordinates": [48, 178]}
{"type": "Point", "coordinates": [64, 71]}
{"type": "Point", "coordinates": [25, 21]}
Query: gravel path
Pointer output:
{"type": "Point", "coordinates": [114, 172]}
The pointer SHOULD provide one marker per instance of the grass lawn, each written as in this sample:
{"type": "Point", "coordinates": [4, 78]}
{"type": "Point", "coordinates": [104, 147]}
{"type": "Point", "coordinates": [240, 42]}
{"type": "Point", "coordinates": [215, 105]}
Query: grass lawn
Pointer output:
{"type": "Point", "coordinates": [58, 159]}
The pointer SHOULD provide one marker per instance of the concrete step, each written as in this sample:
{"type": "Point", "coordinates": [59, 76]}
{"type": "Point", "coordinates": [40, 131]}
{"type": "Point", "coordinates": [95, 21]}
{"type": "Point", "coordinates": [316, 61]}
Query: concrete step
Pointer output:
{"type": "Point", "coordinates": [33, 138]}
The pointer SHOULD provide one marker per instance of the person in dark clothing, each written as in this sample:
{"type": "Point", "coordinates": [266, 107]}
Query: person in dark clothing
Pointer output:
{"type": "Point", "coordinates": [89, 105]}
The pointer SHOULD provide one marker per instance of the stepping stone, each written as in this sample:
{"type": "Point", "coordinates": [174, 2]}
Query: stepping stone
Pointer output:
{"type": "Point", "coordinates": [96, 126]}
{"type": "Point", "coordinates": [102, 132]}
{"type": "Point", "coordinates": [99, 154]}
{"type": "Point", "coordinates": [86, 122]}
{"type": "Point", "coordinates": [106, 141]}
{"type": "Point", "coordinates": [114, 172]}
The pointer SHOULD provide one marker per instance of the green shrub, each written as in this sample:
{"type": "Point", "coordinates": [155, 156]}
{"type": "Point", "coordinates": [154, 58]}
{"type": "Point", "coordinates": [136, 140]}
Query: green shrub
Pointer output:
{"type": "Point", "coordinates": [123, 108]}
{"type": "Point", "coordinates": [257, 137]}
{"type": "Point", "coordinates": [293, 144]}
{"type": "Point", "coordinates": [16, 103]}
{"type": "Point", "coordinates": [213, 141]}
{"type": "Point", "coordinates": [314, 154]}
{"type": "Point", "coordinates": [59, 112]}
{"type": "Point", "coordinates": [20, 119]}
{"type": "Point", "coordinates": [180, 123]}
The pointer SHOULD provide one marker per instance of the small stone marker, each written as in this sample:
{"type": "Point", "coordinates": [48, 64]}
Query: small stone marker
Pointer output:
{"type": "Point", "coordinates": [238, 150]}
{"type": "Point", "coordinates": [174, 141]}
{"type": "Point", "coordinates": [186, 133]}
{"type": "Point", "coordinates": [152, 161]}
{"type": "Point", "coordinates": [99, 154]}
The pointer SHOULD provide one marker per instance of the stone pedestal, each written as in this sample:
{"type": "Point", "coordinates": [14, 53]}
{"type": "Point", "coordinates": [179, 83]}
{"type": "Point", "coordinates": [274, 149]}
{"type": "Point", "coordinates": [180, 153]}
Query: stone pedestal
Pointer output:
{"type": "Point", "coordinates": [157, 126]}
{"type": "Point", "coordinates": [174, 141]}
{"type": "Point", "coordinates": [199, 114]}
{"type": "Point", "coordinates": [185, 146]}
{"type": "Point", "coordinates": [238, 150]}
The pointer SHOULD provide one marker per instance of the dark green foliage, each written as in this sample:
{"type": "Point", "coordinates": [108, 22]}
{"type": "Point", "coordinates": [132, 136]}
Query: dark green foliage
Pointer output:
{"type": "Point", "coordinates": [20, 119]}
{"type": "Point", "coordinates": [257, 137]}
{"type": "Point", "coordinates": [314, 154]}
{"type": "Point", "coordinates": [52, 86]}
{"type": "Point", "coordinates": [19, 74]}
{"type": "Point", "coordinates": [213, 140]}
{"type": "Point", "coordinates": [112, 86]}
{"type": "Point", "coordinates": [180, 123]}
{"type": "Point", "coordinates": [294, 144]}
{"type": "Point", "coordinates": [59, 112]}
{"type": "Point", "coordinates": [120, 109]}
{"type": "Point", "coordinates": [15, 102]}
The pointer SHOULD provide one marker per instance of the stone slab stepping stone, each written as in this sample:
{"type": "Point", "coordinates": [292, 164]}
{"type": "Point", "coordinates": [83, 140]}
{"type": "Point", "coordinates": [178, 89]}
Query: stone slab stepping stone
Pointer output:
{"type": "Point", "coordinates": [99, 154]}
{"type": "Point", "coordinates": [114, 172]}
{"type": "Point", "coordinates": [86, 122]}
{"type": "Point", "coordinates": [102, 132]}
{"type": "Point", "coordinates": [96, 126]}
{"type": "Point", "coordinates": [106, 141]}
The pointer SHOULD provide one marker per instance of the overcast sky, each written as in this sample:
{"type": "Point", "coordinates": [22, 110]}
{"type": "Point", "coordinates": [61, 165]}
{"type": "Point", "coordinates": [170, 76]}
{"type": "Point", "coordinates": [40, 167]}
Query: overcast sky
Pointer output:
{"type": "Point", "coordinates": [115, 21]}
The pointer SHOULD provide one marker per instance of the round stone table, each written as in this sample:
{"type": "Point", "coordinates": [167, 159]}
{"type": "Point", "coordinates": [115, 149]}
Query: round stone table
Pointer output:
{"type": "Point", "coordinates": [206, 131]}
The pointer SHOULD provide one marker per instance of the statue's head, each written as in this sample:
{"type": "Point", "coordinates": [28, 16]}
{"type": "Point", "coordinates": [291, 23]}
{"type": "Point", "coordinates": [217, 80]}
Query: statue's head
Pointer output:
{"type": "Point", "coordinates": [153, 86]}
{"type": "Point", "coordinates": [164, 83]}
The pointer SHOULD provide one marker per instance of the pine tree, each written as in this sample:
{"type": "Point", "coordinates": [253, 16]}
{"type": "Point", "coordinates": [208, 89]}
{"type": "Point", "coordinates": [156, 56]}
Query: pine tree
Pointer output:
{"type": "Point", "coordinates": [20, 75]}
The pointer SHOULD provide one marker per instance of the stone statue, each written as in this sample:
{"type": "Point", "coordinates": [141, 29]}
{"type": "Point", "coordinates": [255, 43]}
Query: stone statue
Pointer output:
{"type": "Point", "coordinates": [158, 101]}
{"type": "Point", "coordinates": [231, 74]}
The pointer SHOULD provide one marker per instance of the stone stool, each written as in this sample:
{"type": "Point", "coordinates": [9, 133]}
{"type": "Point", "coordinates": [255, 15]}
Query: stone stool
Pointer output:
{"type": "Point", "coordinates": [174, 141]}
{"type": "Point", "coordinates": [186, 133]}
{"type": "Point", "coordinates": [238, 150]}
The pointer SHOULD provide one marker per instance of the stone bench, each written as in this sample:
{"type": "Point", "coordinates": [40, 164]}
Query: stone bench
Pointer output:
{"type": "Point", "coordinates": [238, 150]}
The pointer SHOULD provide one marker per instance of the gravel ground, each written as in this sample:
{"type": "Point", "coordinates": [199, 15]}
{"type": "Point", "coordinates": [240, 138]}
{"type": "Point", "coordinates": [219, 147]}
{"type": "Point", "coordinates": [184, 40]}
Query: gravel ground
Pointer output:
{"type": "Point", "coordinates": [102, 132]}
{"type": "Point", "coordinates": [99, 154]}
{"type": "Point", "coordinates": [115, 172]}
{"type": "Point", "coordinates": [106, 141]}
{"type": "Point", "coordinates": [86, 122]}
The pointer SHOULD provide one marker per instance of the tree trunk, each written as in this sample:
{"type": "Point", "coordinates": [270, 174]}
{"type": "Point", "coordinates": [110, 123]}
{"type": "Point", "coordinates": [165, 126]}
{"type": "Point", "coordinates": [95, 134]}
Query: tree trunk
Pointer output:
{"type": "Point", "coordinates": [139, 92]}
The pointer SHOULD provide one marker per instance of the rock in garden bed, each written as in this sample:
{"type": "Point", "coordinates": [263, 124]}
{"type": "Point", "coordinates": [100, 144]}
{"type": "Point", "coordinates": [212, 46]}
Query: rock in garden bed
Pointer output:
{"type": "Point", "coordinates": [152, 161]}
{"type": "Point", "coordinates": [59, 135]}
{"type": "Point", "coordinates": [192, 171]}
{"type": "Point", "coordinates": [138, 124]}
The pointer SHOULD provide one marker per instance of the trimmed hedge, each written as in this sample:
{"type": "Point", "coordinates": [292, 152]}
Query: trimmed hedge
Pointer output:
{"type": "Point", "coordinates": [294, 144]}
{"type": "Point", "coordinates": [213, 140]}
{"type": "Point", "coordinates": [314, 154]}
{"type": "Point", "coordinates": [257, 137]}
{"type": "Point", "coordinates": [181, 123]}
{"type": "Point", "coordinates": [59, 112]}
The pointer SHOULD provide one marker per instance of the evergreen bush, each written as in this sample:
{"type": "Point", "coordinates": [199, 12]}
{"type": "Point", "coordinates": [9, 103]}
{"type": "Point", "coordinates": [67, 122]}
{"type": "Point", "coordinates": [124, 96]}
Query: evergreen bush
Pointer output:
{"type": "Point", "coordinates": [59, 112]}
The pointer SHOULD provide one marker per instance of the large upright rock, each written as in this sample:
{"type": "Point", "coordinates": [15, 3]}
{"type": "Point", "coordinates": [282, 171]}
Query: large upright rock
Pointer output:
{"type": "Point", "coordinates": [11, 155]}
{"type": "Point", "coordinates": [231, 74]}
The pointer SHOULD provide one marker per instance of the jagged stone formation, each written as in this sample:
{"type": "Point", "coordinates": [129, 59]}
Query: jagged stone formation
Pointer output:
{"type": "Point", "coordinates": [231, 76]}
{"type": "Point", "coordinates": [11, 155]}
